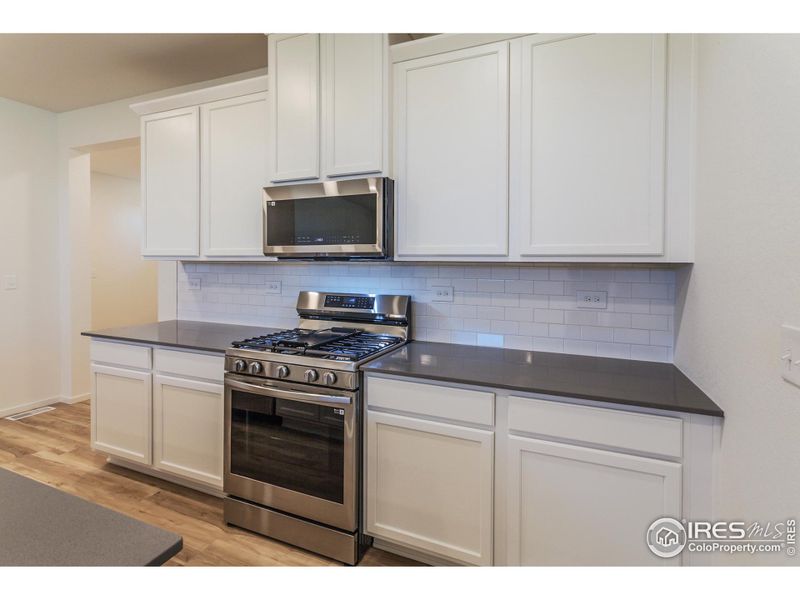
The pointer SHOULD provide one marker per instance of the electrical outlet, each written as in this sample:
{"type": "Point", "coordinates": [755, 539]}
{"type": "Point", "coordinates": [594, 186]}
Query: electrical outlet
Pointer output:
{"type": "Point", "coordinates": [273, 287]}
{"type": "Point", "coordinates": [442, 293]}
{"type": "Point", "coordinates": [592, 299]}
{"type": "Point", "coordinates": [195, 283]}
{"type": "Point", "coordinates": [10, 282]}
{"type": "Point", "coordinates": [790, 354]}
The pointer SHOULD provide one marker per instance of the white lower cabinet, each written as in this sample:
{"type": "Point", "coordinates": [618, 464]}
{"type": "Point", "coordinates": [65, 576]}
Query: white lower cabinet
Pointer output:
{"type": "Point", "coordinates": [519, 480]}
{"type": "Point", "coordinates": [429, 486]}
{"type": "Point", "coordinates": [188, 428]}
{"type": "Point", "coordinates": [572, 505]}
{"type": "Point", "coordinates": [162, 409]}
{"type": "Point", "coordinates": [121, 405]}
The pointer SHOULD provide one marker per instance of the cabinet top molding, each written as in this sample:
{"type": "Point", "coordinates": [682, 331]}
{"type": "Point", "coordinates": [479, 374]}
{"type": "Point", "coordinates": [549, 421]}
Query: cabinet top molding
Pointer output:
{"type": "Point", "coordinates": [223, 91]}
{"type": "Point", "coordinates": [446, 42]}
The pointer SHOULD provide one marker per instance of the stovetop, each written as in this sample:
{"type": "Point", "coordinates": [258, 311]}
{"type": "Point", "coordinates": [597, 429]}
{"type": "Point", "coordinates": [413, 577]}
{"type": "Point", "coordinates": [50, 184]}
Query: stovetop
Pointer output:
{"type": "Point", "coordinates": [345, 344]}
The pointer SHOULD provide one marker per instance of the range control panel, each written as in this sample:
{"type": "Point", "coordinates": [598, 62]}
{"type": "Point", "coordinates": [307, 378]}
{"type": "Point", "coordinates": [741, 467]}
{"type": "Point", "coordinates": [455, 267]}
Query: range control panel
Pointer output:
{"type": "Point", "coordinates": [360, 302]}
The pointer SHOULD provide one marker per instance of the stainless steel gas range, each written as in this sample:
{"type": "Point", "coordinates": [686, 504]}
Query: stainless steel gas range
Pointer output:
{"type": "Point", "coordinates": [293, 425]}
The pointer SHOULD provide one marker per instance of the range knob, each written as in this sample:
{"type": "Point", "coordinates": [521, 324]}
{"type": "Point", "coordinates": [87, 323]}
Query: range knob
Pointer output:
{"type": "Point", "coordinates": [311, 375]}
{"type": "Point", "coordinates": [329, 378]}
{"type": "Point", "coordinates": [255, 368]}
{"type": "Point", "coordinates": [283, 372]}
{"type": "Point", "coordinates": [239, 365]}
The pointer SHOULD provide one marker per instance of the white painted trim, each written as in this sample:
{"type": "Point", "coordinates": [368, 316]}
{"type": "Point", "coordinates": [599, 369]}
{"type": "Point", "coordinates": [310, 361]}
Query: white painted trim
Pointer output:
{"type": "Point", "coordinates": [75, 399]}
{"type": "Point", "coordinates": [209, 94]}
{"type": "Point", "coordinates": [446, 42]}
{"type": "Point", "coordinates": [12, 410]}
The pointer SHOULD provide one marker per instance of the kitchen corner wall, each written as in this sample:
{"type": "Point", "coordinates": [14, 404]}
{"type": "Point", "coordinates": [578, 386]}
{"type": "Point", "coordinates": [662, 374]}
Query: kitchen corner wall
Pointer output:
{"type": "Point", "coordinates": [527, 307]}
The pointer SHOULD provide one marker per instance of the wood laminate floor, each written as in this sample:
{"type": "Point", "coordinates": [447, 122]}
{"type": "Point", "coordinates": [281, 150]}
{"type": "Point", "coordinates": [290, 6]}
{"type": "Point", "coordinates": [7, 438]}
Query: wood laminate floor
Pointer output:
{"type": "Point", "coordinates": [53, 448]}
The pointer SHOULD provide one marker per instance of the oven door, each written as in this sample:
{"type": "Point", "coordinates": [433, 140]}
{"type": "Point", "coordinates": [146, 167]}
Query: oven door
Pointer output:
{"type": "Point", "coordinates": [292, 448]}
{"type": "Point", "coordinates": [330, 219]}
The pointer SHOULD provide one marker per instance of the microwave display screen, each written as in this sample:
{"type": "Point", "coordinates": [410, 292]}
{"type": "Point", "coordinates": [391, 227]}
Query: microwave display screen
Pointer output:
{"type": "Point", "coordinates": [324, 221]}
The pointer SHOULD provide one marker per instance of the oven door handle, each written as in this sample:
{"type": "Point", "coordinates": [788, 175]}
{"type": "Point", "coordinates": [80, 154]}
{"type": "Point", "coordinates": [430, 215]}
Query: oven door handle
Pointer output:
{"type": "Point", "coordinates": [288, 394]}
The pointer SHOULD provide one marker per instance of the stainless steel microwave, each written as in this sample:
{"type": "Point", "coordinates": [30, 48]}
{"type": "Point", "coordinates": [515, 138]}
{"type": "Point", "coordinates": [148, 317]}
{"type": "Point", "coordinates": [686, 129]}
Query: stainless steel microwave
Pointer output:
{"type": "Point", "coordinates": [349, 219]}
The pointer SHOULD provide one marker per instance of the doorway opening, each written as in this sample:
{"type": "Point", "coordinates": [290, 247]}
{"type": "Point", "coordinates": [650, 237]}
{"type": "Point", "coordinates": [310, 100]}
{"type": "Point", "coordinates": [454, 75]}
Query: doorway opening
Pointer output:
{"type": "Point", "coordinates": [124, 286]}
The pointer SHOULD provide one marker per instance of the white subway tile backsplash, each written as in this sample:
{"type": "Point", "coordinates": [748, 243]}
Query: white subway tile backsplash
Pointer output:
{"type": "Point", "coordinates": [551, 288]}
{"type": "Point", "coordinates": [521, 307]}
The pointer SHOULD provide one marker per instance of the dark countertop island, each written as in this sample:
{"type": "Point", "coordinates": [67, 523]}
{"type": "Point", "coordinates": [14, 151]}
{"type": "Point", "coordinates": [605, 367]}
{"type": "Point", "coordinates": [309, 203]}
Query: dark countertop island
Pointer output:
{"type": "Point", "coordinates": [192, 335]}
{"type": "Point", "coordinates": [630, 382]}
{"type": "Point", "coordinates": [43, 526]}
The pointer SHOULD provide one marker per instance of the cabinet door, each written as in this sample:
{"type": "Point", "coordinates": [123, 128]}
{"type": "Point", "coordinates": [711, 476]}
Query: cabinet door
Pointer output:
{"type": "Point", "coordinates": [570, 505]}
{"type": "Point", "coordinates": [294, 125]}
{"type": "Point", "coordinates": [589, 161]}
{"type": "Point", "coordinates": [429, 486]}
{"type": "Point", "coordinates": [188, 428]}
{"type": "Point", "coordinates": [171, 183]}
{"type": "Point", "coordinates": [121, 412]}
{"type": "Point", "coordinates": [451, 155]}
{"type": "Point", "coordinates": [234, 170]}
{"type": "Point", "coordinates": [353, 102]}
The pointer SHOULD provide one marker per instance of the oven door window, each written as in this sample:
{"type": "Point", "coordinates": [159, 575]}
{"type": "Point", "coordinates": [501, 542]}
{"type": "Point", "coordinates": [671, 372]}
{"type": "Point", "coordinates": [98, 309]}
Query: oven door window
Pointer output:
{"type": "Point", "coordinates": [325, 221]}
{"type": "Point", "coordinates": [297, 446]}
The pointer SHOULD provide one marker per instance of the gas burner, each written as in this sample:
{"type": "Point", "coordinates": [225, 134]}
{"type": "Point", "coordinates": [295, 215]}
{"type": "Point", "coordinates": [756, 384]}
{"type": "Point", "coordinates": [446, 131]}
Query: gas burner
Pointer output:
{"type": "Point", "coordinates": [335, 343]}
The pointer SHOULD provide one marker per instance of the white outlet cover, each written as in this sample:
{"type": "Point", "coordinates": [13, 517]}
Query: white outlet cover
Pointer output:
{"type": "Point", "coordinates": [273, 287]}
{"type": "Point", "coordinates": [591, 299]}
{"type": "Point", "coordinates": [195, 283]}
{"type": "Point", "coordinates": [442, 293]}
{"type": "Point", "coordinates": [10, 282]}
{"type": "Point", "coordinates": [790, 354]}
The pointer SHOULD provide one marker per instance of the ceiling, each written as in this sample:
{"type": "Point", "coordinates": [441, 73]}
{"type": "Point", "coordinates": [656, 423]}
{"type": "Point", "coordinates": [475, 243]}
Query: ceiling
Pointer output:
{"type": "Point", "coordinates": [61, 72]}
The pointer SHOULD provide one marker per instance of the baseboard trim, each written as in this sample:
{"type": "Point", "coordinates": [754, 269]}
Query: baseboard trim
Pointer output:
{"type": "Point", "coordinates": [12, 410]}
{"type": "Point", "coordinates": [75, 399]}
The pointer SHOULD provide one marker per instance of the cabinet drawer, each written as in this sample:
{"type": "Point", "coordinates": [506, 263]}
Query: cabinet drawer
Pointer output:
{"type": "Point", "coordinates": [190, 364]}
{"type": "Point", "coordinates": [608, 427]}
{"type": "Point", "coordinates": [470, 406]}
{"type": "Point", "coordinates": [126, 355]}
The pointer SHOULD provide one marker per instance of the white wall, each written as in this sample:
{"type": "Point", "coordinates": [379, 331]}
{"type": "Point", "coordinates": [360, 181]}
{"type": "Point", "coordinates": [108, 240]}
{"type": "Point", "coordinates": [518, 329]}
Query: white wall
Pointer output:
{"type": "Point", "coordinates": [29, 368]}
{"type": "Point", "coordinates": [124, 286]}
{"type": "Point", "coordinates": [746, 280]}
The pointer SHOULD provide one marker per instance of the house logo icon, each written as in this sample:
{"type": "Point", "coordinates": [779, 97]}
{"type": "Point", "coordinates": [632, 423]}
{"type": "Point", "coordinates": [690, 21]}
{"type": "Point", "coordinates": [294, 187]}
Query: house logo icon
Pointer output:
{"type": "Point", "coordinates": [666, 537]}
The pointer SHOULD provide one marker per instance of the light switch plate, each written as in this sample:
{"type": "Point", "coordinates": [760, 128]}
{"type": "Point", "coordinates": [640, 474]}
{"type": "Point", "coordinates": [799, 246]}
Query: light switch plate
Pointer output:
{"type": "Point", "coordinates": [592, 299]}
{"type": "Point", "coordinates": [10, 282]}
{"type": "Point", "coordinates": [195, 283]}
{"type": "Point", "coordinates": [790, 353]}
{"type": "Point", "coordinates": [273, 287]}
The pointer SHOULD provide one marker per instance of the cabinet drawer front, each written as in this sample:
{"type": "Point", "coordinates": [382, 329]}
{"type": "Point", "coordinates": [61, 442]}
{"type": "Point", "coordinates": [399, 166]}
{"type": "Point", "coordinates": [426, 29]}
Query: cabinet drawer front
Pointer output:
{"type": "Point", "coordinates": [127, 355]}
{"type": "Point", "coordinates": [614, 428]}
{"type": "Point", "coordinates": [189, 364]}
{"type": "Point", "coordinates": [431, 400]}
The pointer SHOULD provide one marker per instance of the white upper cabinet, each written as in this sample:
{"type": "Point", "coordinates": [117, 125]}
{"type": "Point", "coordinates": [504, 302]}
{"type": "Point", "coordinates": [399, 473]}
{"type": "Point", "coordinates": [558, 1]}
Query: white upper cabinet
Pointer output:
{"type": "Point", "coordinates": [293, 64]}
{"type": "Point", "coordinates": [233, 167]}
{"type": "Point", "coordinates": [451, 153]}
{"type": "Point", "coordinates": [171, 183]}
{"type": "Point", "coordinates": [590, 113]}
{"type": "Point", "coordinates": [329, 107]}
{"type": "Point", "coordinates": [204, 166]}
{"type": "Point", "coordinates": [354, 112]}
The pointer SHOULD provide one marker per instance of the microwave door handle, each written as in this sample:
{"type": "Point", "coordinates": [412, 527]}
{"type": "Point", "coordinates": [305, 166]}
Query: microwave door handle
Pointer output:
{"type": "Point", "coordinates": [290, 394]}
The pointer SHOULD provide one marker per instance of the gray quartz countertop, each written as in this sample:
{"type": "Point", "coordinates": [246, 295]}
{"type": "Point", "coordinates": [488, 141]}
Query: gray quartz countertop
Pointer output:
{"type": "Point", "coordinates": [43, 526]}
{"type": "Point", "coordinates": [629, 382]}
{"type": "Point", "coordinates": [192, 335]}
